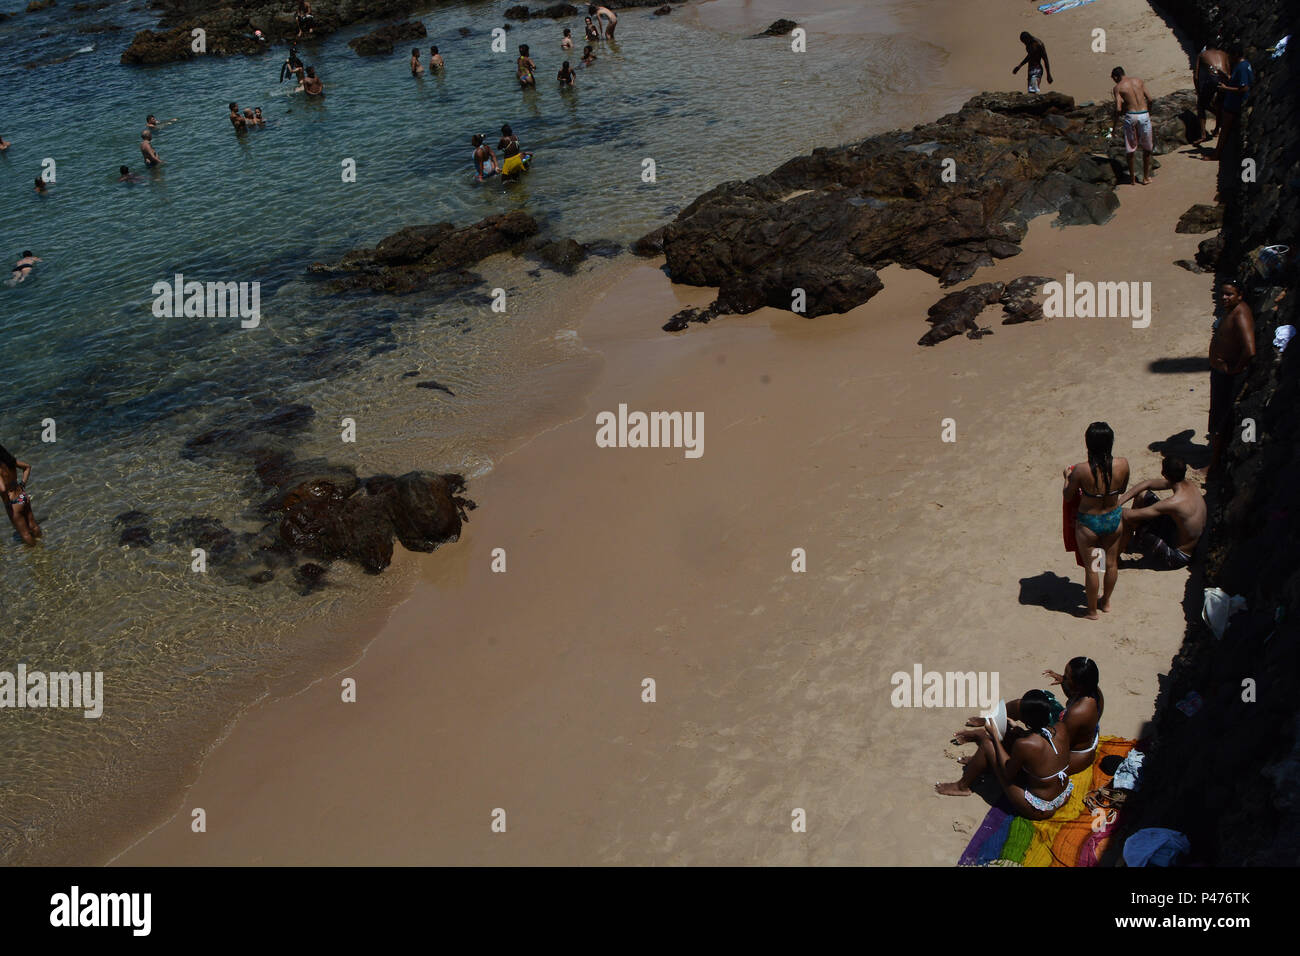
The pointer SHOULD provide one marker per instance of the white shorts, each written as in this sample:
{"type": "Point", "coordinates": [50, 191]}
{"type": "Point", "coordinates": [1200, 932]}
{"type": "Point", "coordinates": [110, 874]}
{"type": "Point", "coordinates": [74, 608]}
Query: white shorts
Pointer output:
{"type": "Point", "coordinates": [1137, 132]}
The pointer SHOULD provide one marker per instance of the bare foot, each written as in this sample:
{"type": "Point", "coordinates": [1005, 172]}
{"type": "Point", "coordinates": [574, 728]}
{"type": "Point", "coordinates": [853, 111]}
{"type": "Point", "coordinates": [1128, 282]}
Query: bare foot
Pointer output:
{"type": "Point", "coordinates": [1144, 182]}
{"type": "Point", "coordinates": [1104, 605]}
{"type": "Point", "coordinates": [967, 736]}
{"type": "Point", "coordinates": [951, 790]}
{"type": "Point", "coordinates": [1089, 615]}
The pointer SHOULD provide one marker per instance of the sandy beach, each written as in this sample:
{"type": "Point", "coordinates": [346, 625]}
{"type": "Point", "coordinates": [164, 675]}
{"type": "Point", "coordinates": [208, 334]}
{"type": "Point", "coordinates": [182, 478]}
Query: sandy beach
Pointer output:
{"type": "Point", "coordinates": [523, 690]}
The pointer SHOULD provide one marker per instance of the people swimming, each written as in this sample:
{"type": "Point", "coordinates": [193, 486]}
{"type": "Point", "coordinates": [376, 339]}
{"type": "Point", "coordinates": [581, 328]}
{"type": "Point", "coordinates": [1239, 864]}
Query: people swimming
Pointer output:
{"type": "Point", "coordinates": [485, 161]}
{"type": "Point", "coordinates": [525, 68]}
{"type": "Point", "coordinates": [588, 57]}
{"type": "Point", "coordinates": [566, 76]}
{"type": "Point", "coordinates": [605, 17]}
{"type": "Point", "coordinates": [417, 68]}
{"type": "Point", "coordinates": [13, 492]}
{"type": "Point", "coordinates": [4, 144]}
{"type": "Point", "coordinates": [23, 267]}
{"type": "Point", "coordinates": [311, 83]}
{"type": "Point", "coordinates": [1031, 765]}
{"type": "Point", "coordinates": [1036, 57]}
{"type": "Point", "coordinates": [292, 66]}
{"type": "Point", "coordinates": [151, 157]}
{"type": "Point", "coordinates": [514, 160]}
{"type": "Point", "coordinates": [257, 116]}
{"type": "Point", "coordinates": [40, 186]}
{"type": "Point", "coordinates": [237, 118]}
{"type": "Point", "coordinates": [126, 176]}
{"type": "Point", "coordinates": [1165, 530]}
{"type": "Point", "coordinates": [435, 60]}
{"type": "Point", "coordinates": [593, 33]}
{"type": "Point", "coordinates": [566, 41]}
{"type": "Point", "coordinates": [1096, 485]}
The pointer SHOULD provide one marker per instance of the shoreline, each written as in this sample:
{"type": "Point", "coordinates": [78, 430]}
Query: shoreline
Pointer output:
{"type": "Point", "coordinates": [640, 357]}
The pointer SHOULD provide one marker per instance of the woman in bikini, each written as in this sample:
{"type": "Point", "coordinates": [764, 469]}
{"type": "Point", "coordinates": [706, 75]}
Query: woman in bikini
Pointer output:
{"type": "Point", "coordinates": [1081, 717]}
{"type": "Point", "coordinates": [1032, 766]}
{"type": "Point", "coordinates": [1097, 485]}
{"type": "Point", "coordinates": [525, 68]}
{"type": "Point", "coordinates": [17, 503]}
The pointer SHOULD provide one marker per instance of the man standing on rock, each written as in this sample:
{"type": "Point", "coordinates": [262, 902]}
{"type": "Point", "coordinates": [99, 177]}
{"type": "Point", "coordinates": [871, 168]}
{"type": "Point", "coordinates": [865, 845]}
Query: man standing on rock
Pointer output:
{"type": "Point", "coordinates": [1232, 346]}
{"type": "Point", "coordinates": [1134, 103]}
{"type": "Point", "coordinates": [1209, 74]}
{"type": "Point", "coordinates": [1036, 57]}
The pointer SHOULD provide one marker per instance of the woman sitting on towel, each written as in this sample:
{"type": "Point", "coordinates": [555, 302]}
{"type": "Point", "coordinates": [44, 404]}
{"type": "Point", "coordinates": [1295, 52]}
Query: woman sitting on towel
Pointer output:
{"type": "Point", "coordinates": [1031, 766]}
{"type": "Point", "coordinates": [1084, 703]}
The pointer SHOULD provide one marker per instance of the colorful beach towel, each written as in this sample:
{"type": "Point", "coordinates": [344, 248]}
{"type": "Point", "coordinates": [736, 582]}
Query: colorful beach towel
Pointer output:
{"type": "Point", "coordinates": [1067, 839]}
{"type": "Point", "coordinates": [1058, 5]}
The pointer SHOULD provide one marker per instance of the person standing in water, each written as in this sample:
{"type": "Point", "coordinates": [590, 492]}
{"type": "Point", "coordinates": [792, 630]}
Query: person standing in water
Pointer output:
{"type": "Point", "coordinates": [1133, 102]}
{"type": "Point", "coordinates": [606, 18]}
{"type": "Point", "coordinates": [588, 57]}
{"type": "Point", "coordinates": [151, 157]}
{"type": "Point", "coordinates": [593, 32]}
{"type": "Point", "coordinates": [566, 41]}
{"type": "Point", "coordinates": [4, 144]}
{"type": "Point", "coordinates": [435, 60]}
{"type": "Point", "coordinates": [417, 68]}
{"type": "Point", "coordinates": [126, 176]}
{"type": "Point", "coordinates": [311, 84]}
{"type": "Point", "coordinates": [1097, 485]}
{"type": "Point", "coordinates": [40, 186]}
{"type": "Point", "coordinates": [566, 76]}
{"type": "Point", "coordinates": [514, 159]}
{"type": "Point", "coordinates": [525, 68]}
{"type": "Point", "coordinates": [1036, 57]}
{"type": "Point", "coordinates": [485, 161]}
{"type": "Point", "coordinates": [13, 492]}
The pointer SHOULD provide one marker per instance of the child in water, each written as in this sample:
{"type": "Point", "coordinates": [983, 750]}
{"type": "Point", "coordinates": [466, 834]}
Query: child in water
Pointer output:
{"type": "Point", "coordinates": [588, 57]}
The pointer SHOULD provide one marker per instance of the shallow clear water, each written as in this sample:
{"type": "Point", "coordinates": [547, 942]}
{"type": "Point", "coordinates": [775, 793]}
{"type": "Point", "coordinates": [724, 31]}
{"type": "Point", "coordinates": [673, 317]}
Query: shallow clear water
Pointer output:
{"type": "Point", "coordinates": [81, 346]}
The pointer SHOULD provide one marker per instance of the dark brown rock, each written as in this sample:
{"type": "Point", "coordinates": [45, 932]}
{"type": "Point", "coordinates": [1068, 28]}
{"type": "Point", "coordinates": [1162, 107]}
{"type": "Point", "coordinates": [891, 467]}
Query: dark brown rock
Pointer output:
{"type": "Point", "coordinates": [383, 41]}
{"type": "Point", "coordinates": [1203, 217]}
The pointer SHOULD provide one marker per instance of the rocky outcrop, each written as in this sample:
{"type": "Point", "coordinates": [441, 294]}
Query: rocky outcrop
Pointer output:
{"type": "Point", "coordinates": [959, 311]}
{"type": "Point", "coordinates": [947, 197]}
{"type": "Point", "coordinates": [383, 41]}
{"type": "Point", "coordinates": [1224, 767]}
{"type": "Point", "coordinates": [779, 28]}
{"type": "Point", "coordinates": [428, 258]}
{"type": "Point", "coordinates": [1202, 217]}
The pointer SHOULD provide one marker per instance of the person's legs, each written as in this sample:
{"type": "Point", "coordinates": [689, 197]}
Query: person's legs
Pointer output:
{"type": "Point", "coordinates": [1146, 166]}
{"type": "Point", "coordinates": [19, 521]}
{"type": "Point", "coordinates": [1086, 542]}
{"type": "Point", "coordinates": [1111, 547]}
{"type": "Point", "coordinates": [978, 764]}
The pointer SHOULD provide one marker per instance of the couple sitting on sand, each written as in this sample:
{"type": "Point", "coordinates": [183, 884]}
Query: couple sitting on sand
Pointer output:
{"type": "Point", "coordinates": [1164, 530]}
{"type": "Point", "coordinates": [1034, 766]}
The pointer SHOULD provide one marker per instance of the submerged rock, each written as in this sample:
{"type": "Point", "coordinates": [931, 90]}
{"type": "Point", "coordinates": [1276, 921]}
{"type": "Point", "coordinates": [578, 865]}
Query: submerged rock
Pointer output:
{"type": "Point", "coordinates": [383, 41]}
{"type": "Point", "coordinates": [779, 28]}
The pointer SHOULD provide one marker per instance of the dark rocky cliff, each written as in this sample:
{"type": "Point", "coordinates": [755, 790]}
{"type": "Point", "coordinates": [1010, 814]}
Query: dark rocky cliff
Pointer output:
{"type": "Point", "coordinates": [1228, 775]}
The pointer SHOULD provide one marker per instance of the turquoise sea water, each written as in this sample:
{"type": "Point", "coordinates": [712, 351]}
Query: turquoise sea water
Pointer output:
{"type": "Point", "coordinates": [182, 651]}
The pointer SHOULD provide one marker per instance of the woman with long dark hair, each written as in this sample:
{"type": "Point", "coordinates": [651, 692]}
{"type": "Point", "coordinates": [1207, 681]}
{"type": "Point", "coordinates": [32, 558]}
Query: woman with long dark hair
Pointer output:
{"type": "Point", "coordinates": [1032, 765]}
{"type": "Point", "coordinates": [13, 492]}
{"type": "Point", "coordinates": [1081, 717]}
{"type": "Point", "coordinates": [1097, 484]}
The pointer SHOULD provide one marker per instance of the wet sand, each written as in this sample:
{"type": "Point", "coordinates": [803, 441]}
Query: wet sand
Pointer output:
{"type": "Point", "coordinates": [523, 690]}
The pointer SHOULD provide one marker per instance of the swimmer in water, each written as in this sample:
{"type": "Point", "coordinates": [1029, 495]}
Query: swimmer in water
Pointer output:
{"type": "Point", "coordinates": [311, 84]}
{"type": "Point", "coordinates": [435, 60]}
{"type": "Point", "coordinates": [257, 116]}
{"type": "Point", "coordinates": [291, 66]}
{"type": "Point", "coordinates": [525, 68]}
{"type": "Point", "coordinates": [566, 41]}
{"type": "Point", "coordinates": [151, 122]}
{"type": "Point", "coordinates": [566, 76]}
{"type": "Point", "coordinates": [126, 176]}
{"type": "Point", "coordinates": [236, 120]}
{"type": "Point", "coordinates": [606, 17]}
{"type": "Point", "coordinates": [23, 267]}
{"type": "Point", "coordinates": [588, 57]}
{"type": "Point", "coordinates": [416, 67]}
{"type": "Point", "coordinates": [485, 161]}
{"type": "Point", "coordinates": [593, 32]}
{"type": "Point", "coordinates": [250, 119]}
{"type": "Point", "coordinates": [4, 144]}
{"type": "Point", "coordinates": [40, 186]}
{"type": "Point", "coordinates": [151, 157]}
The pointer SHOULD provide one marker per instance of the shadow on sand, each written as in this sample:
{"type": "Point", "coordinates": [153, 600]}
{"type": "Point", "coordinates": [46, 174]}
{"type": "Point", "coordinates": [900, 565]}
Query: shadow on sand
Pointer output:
{"type": "Point", "coordinates": [1054, 592]}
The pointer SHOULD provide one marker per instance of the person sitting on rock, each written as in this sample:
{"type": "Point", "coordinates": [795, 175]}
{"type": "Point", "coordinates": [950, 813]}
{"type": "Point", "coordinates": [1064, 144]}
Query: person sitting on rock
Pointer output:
{"type": "Point", "coordinates": [1036, 57]}
{"type": "Point", "coordinates": [305, 19]}
{"type": "Point", "coordinates": [1164, 529]}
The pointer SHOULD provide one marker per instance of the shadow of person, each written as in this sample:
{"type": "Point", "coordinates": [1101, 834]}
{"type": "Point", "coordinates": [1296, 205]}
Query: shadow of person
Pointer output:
{"type": "Point", "coordinates": [1180, 445]}
{"type": "Point", "coordinates": [1053, 592]}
